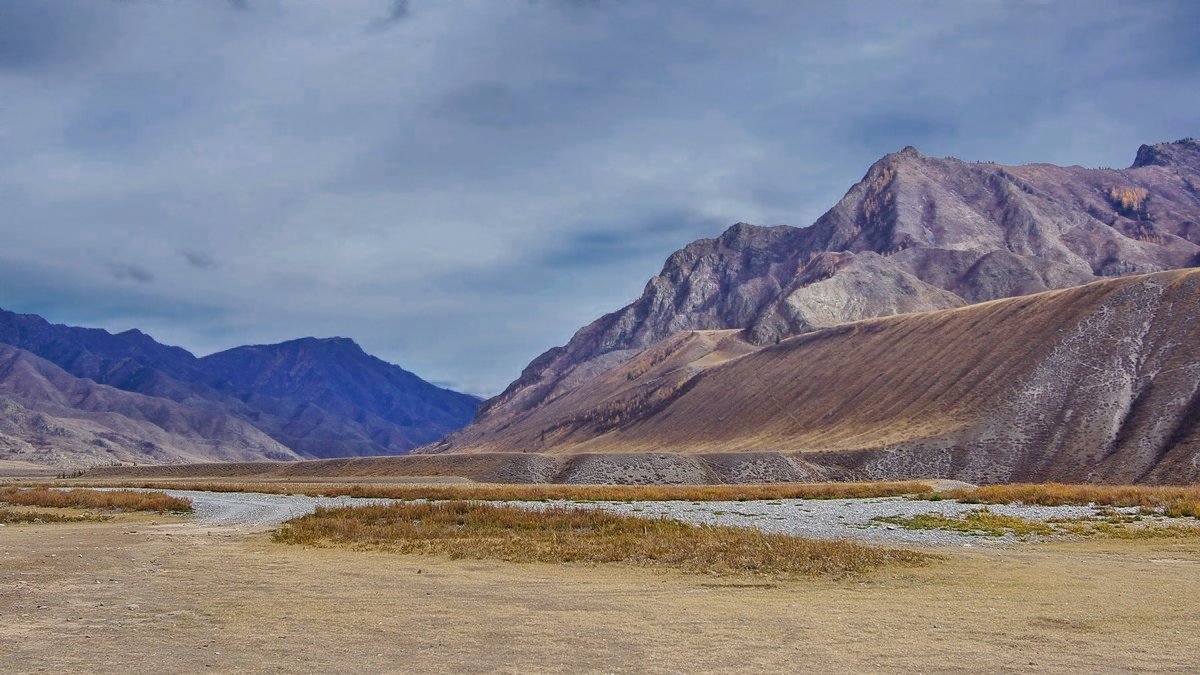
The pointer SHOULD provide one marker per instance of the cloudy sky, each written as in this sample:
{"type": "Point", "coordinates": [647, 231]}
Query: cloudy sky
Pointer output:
{"type": "Point", "coordinates": [460, 184]}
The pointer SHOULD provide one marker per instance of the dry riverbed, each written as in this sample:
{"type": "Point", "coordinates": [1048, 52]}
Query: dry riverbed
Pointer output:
{"type": "Point", "coordinates": [816, 518]}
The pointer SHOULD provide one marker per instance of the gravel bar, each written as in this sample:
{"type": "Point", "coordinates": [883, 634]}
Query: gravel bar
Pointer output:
{"type": "Point", "coordinates": [838, 518]}
{"type": "Point", "coordinates": [816, 518]}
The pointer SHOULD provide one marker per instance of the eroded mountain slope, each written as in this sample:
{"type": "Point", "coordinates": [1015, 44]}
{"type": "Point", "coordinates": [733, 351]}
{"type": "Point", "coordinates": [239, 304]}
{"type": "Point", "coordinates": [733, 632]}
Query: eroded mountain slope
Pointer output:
{"type": "Point", "coordinates": [1095, 383]}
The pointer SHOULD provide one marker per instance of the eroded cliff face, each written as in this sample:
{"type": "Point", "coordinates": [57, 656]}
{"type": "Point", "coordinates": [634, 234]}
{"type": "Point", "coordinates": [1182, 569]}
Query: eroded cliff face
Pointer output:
{"type": "Point", "coordinates": [915, 234]}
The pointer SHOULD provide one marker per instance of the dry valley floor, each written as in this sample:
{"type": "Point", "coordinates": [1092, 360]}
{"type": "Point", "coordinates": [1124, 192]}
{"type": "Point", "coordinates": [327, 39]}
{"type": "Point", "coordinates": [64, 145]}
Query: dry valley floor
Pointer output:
{"type": "Point", "coordinates": [142, 592]}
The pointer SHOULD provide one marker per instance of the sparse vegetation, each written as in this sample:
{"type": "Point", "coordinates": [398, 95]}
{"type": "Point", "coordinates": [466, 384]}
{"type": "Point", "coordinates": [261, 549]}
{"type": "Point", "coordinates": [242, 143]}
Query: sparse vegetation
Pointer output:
{"type": "Point", "coordinates": [983, 521]}
{"type": "Point", "coordinates": [1129, 201]}
{"type": "Point", "coordinates": [114, 500]}
{"type": "Point", "coordinates": [1176, 502]}
{"type": "Point", "coordinates": [978, 521]}
{"type": "Point", "coordinates": [614, 413]}
{"type": "Point", "coordinates": [658, 356]}
{"type": "Point", "coordinates": [579, 493]}
{"type": "Point", "coordinates": [1151, 531]}
{"type": "Point", "coordinates": [461, 529]}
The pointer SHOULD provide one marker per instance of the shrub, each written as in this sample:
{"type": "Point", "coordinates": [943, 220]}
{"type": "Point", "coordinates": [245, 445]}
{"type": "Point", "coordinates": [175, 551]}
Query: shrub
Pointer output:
{"type": "Point", "coordinates": [116, 500]}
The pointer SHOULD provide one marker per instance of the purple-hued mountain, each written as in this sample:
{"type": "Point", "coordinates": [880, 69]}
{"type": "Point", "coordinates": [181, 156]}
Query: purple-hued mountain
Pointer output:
{"type": "Point", "coordinates": [917, 233]}
{"type": "Point", "coordinates": [307, 398]}
{"type": "Point", "coordinates": [316, 394]}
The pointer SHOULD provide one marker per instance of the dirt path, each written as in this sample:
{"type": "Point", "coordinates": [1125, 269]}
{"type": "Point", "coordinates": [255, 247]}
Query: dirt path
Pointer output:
{"type": "Point", "coordinates": [132, 595]}
{"type": "Point", "coordinates": [256, 510]}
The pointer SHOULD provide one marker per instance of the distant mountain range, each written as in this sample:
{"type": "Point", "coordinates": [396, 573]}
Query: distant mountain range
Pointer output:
{"type": "Point", "coordinates": [916, 234]}
{"type": "Point", "coordinates": [78, 396]}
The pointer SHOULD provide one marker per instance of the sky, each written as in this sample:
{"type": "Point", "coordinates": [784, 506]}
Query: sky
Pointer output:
{"type": "Point", "coordinates": [459, 185]}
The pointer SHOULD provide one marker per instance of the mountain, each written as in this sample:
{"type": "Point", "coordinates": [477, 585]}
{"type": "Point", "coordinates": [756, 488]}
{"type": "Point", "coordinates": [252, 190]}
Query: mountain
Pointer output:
{"type": "Point", "coordinates": [130, 360]}
{"type": "Point", "coordinates": [315, 395]}
{"type": "Point", "coordinates": [49, 416]}
{"type": "Point", "coordinates": [1095, 383]}
{"type": "Point", "coordinates": [916, 234]}
{"type": "Point", "coordinates": [312, 398]}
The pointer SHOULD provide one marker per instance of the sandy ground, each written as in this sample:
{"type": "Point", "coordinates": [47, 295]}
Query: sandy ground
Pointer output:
{"type": "Point", "coordinates": [144, 593]}
{"type": "Point", "coordinates": [11, 471]}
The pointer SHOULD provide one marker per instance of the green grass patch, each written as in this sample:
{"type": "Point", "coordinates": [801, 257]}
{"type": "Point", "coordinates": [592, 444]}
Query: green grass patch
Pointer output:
{"type": "Point", "coordinates": [1111, 524]}
{"type": "Point", "coordinates": [977, 522]}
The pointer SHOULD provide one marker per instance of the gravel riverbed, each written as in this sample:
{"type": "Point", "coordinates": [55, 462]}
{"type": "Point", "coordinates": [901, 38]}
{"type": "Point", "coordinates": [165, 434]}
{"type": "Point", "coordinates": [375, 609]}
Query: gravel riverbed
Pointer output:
{"type": "Point", "coordinates": [839, 518]}
{"type": "Point", "coordinates": [817, 518]}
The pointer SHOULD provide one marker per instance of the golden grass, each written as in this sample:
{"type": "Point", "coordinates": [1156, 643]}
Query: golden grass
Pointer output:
{"type": "Point", "coordinates": [1176, 502]}
{"type": "Point", "coordinates": [115, 500]}
{"type": "Point", "coordinates": [578, 493]}
{"type": "Point", "coordinates": [557, 534]}
{"type": "Point", "coordinates": [1128, 199]}
{"type": "Point", "coordinates": [9, 517]}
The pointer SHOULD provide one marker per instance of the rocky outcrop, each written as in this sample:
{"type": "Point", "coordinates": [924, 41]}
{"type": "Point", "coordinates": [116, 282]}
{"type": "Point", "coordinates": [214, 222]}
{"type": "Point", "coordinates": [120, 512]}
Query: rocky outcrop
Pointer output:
{"type": "Point", "coordinates": [917, 233]}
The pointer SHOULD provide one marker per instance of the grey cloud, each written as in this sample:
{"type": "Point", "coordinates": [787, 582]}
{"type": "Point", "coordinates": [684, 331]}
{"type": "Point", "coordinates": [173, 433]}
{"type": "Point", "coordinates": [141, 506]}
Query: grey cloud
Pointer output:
{"type": "Point", "coordinates": [131, 272]}
{"type": "Point", "coordinates": [463, 198]}
{"type": "Point", "coordinates": [40, 35]}
{"type": "Point", "coordinates": [648, 239]}
{"type": "Point", "coordinates": [487, 103]}
{"type": "Point", "coordinates": [198, 259]}
{"type": "Point", "coordinates": [898, 129]}
{"type": "Point", "coordinates": [398, 11]}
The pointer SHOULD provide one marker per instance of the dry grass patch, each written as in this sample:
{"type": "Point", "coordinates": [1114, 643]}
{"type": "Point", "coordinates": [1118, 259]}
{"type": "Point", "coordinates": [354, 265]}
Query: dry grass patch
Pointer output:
{"type": "Point", "coordinates": [111, 500]}
{"type": "Point", "coordinates": [12, 517]}
{"type": "Point", "coordinates": [556, 534]}
{"type": "Point", "coordinates": [577, 493]}
{"type": "Point", "coordinates": [1176, 502]}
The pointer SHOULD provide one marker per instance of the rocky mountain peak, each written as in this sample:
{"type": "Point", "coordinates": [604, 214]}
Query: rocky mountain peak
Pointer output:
{"type": "Point", "coordinates": [906, 154]}
{"type": "Point", "coordinates": [916, 234]}
{"type": "Point", "coordinates": [1184, 152]}
{"type": "Point", "coordinates": [741, 235]}
{"type": "Point", "coordinates": [329, 345]}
